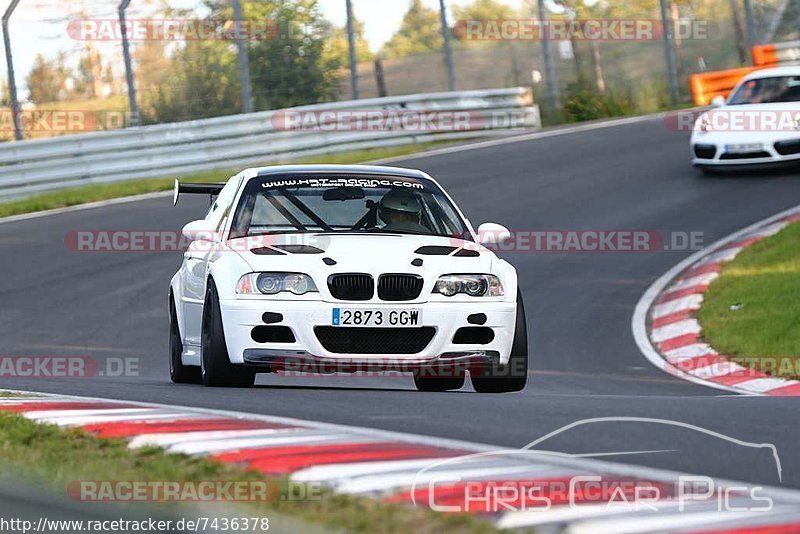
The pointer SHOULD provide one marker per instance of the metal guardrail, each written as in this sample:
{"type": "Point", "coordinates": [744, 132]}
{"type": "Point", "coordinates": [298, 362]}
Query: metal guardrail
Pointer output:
{"type": "Point", "coordinates": [35, 166]}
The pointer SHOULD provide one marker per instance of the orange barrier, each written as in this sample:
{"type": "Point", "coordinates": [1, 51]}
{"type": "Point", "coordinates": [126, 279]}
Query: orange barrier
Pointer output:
{"type": "Point", "coordinates": [772, 55]}
{"type": "Point", "coordinates": [765, 55]}
{"type": "Point", "coordinates": [707, 85]}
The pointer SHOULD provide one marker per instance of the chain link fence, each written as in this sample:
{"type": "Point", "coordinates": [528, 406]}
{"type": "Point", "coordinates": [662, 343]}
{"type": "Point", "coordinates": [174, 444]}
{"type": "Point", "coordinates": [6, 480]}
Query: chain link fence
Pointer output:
{"type": "Point", "coordinates": [302, 57]}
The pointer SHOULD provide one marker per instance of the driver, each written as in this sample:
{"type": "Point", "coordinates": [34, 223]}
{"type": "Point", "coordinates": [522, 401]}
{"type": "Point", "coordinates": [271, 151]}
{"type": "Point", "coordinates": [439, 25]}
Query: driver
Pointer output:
{"type": "Point", "coordinates": [401, 210]}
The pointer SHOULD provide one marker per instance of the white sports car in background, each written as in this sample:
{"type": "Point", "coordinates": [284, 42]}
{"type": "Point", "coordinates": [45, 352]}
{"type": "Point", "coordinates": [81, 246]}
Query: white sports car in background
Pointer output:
{"type": "Point", "coordinates": [759, 124]}
{"type": "Point", "coordinates": [328, 269]}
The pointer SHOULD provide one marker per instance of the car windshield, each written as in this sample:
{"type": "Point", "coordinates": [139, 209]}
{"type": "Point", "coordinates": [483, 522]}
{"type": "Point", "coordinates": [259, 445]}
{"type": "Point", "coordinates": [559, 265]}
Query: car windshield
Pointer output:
{"type": "Point", "coordinates": [768, 91]}
{"type": "Point", "coordinates": [325, 204]}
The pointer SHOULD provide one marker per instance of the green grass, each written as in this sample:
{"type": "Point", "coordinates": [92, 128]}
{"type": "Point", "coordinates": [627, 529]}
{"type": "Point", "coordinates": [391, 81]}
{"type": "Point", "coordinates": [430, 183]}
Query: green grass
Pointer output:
{"type": "Point", "coordinates": [11, 395]}
{"type": "Point", "coordinates": [51, 458]}
{"type": "Point", "coordinates": [752, 311]}
{"type": "Point", "coordinates": [94, 193]}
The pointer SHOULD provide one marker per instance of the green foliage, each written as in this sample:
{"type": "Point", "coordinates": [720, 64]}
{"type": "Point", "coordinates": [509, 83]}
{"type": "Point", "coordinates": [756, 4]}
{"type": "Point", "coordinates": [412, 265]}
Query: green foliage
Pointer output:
{"type": "Point", "coordinates": [293, 69]}
{"type": "Point", "coordinates": [337, 47]}
{"type": "Point", "coordinates": [752, 311]}
{"type": "Point", "coordinates": [51, 459]}
{"type": "Point", "coordinates": [204, 83]}
{"type": "Point", "coordinates": [584, 102]}
{"type": "Point", "coordinates": [420, 33]}
{"type": "Point", "coordinates": [200, 79]}
{"type": "Point", "coordinates": [484, 10]}
{"type": "Point", "coordinates": [47, 79]}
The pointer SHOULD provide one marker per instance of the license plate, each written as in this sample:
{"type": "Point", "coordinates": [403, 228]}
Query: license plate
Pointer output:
{"type": "Point", "coordinates": [386, 317]}
{"type": "Point", "coordinates": [744, 148]}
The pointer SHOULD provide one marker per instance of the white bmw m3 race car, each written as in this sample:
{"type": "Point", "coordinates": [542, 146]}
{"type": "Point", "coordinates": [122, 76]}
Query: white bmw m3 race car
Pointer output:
{"type": "Point", "coordinates": [343, 269]}
{"type": "Point", "coordinates": [759, 124]}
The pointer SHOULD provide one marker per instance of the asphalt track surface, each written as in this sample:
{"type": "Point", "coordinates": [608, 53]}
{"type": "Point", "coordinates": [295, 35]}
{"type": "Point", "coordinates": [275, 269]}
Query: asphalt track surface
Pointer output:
{"type": "Point", "coordinates": [585, 363]}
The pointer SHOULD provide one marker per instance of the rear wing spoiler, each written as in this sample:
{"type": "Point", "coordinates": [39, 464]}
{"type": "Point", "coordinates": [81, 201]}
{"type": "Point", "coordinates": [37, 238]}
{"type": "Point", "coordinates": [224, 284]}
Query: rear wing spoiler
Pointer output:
{"type": "Point", "coordinates": [195, 189]}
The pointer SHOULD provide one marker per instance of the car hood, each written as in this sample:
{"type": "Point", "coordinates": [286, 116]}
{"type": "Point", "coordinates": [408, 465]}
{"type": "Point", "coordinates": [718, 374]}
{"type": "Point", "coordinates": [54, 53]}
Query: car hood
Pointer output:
{"type": "Point", "coordinates": [321, 255]}
{"type": "Point", "coordinates": [782, 113]}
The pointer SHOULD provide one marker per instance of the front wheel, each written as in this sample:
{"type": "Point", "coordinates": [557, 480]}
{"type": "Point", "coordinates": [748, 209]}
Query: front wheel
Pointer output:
{"type": "Point", "coordinates": [216, 369]}
{"type": "Point", "coordinates": [514, 375]}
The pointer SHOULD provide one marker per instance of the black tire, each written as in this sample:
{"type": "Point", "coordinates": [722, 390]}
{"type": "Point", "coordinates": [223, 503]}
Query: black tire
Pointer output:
{"type": "Point", "coordinates": [439, 379]}
{"type": "Point", "coordinates": [216, 369]}
{"type": "Point", "coordinates": [513, 376]}
{"type": "Point", "coordinates": [178, 373]}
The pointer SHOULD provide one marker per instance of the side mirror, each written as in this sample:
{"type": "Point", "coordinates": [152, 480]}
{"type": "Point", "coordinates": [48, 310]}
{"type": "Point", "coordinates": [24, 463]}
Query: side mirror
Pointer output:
{"type": "Point", "coordinates": [493, 234]}
{"type": "Point", "coordinates": [199, 231]}
{"type": "Point", "coordinates": [718, 101]}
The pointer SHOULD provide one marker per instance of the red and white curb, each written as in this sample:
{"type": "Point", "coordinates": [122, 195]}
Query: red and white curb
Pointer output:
{"type": "Point", "coordinates": [406, 468]}
{"type": "Point", "coordinates": [665, 322]}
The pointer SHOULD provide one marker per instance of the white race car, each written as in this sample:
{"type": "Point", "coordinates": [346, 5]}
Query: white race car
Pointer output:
{"type": "Point", "coordinates": [759, 124]}
{"type": "Point", "coordinates": [343, 269]}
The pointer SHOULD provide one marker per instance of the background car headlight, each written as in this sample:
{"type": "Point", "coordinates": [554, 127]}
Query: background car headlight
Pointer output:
{"type": "Point", "coordinates": [274, 283]}
{"type": "Point", "coordinates": [474, 285]}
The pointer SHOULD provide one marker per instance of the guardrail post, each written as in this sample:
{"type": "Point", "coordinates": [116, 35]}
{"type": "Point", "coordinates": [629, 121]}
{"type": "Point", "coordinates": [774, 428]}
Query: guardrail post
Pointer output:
{"type": "Point", "coordinates": [244, 61]}
{"type": "Point", "coordinates": [752, 38]}
{"type": "Point", "coordinates": [351, 42]}
{"type": "Point", "coordinates": [12, 82]}
{"type": "Point", "coordinates": [549, 67]}
{"type": "Point", "coordinates": [448, 48]}
{"type": "Point", "coordinates": [672, 69]}
{"type": "Point", "coordinates": [126, 56]}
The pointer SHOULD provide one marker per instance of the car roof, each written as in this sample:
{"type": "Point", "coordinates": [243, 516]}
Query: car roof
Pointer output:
{"type": "Point", "coordinates": [366, 170]}
{"type": "Point", "coordinates": [774, 72]}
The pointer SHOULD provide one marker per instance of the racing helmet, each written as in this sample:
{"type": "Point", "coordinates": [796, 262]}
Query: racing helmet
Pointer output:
{"type": "Point", "coordinates": [399, 200]}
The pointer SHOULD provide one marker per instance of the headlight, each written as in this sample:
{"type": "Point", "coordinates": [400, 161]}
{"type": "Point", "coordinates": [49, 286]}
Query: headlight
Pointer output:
{"type": "Point", "coordinates": [274, 283]}
{"type": "Point", "coordinates": [474, 285]}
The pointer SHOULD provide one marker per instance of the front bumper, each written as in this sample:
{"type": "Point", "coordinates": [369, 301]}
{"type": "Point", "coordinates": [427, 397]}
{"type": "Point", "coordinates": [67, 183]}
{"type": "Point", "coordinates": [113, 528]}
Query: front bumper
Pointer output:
{"type": "Point", "coordinates": [710, 151]}
{"type": "Point", "coordinates": [240, 317]}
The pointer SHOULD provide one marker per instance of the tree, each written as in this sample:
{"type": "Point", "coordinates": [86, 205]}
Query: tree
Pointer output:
{"type": "Point", "coordinates": [419, 33]}
{"type": "Point", "coordinates": [484, 10]}
{"type": "Point", "coordinates": [89, 78]}
{"type": "Point", "coordinates": [337, 46]}
{"type": "Point", "coordinates": [291, 67]}
{"type": "Point", "coordinates": [47, 79]}
{"type": "Point", "coordinates": [204, 83]}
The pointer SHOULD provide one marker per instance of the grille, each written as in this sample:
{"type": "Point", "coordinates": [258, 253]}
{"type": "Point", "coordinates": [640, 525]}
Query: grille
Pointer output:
{"type": "Point", "coordinates": [787, 148]}
{"type": "Point", "coordinates": [374, 340]}
{"type": "Point", "coordinates": [399, 287]}
{"type": "Point", "coordinates": [351, 286]}
{"type": "Point", "coordinates": [746, 155]}
{"type": "Point", "coordinates": [705, 151]}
